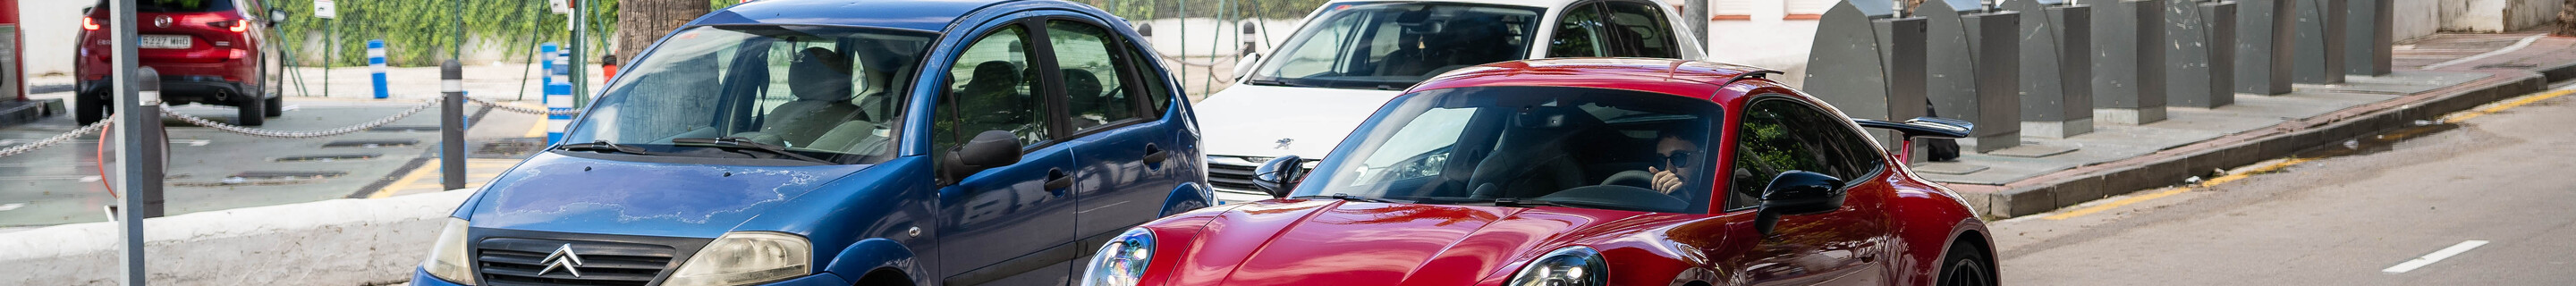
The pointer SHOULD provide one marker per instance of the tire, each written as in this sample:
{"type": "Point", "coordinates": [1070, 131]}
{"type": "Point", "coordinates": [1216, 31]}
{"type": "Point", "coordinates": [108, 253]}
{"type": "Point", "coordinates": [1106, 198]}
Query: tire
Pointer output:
{"type": "Point", "coordinates": [252, 113]}
{"type": "Point", "coordinates": [89, 107]}
{"type": "Point", "coordinates": [1967, 265]}
{"type": "Point", "coordinates": [276, 106]}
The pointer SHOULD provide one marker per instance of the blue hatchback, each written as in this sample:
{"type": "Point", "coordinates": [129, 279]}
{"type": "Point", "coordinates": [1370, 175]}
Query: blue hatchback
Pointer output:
{"type": "Point", "coordinates": [801, 142]}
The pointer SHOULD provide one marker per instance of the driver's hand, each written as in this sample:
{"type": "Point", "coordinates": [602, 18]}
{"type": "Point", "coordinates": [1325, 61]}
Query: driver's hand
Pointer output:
{"type": "Point", "coordinates": [1665, 180]}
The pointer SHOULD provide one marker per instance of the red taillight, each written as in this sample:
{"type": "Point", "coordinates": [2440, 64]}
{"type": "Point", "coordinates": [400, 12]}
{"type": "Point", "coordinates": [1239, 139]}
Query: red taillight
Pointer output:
{"type": "Point", "coordinates": [89, 23]}
{"type": "Point", "coordinates": [236, 26]}
{"type": "Point", "coordinates": [238, 54]}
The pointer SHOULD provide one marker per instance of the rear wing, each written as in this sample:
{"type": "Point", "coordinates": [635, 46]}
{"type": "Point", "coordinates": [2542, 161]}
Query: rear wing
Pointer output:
{"type": "Point", "coordinates": [1933, 127]}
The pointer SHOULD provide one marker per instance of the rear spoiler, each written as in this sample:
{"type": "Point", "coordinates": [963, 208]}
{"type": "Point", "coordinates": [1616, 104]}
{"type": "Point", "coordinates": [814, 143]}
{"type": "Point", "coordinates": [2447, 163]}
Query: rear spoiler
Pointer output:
{"type": "Point", "coordinates": [1933, 127]}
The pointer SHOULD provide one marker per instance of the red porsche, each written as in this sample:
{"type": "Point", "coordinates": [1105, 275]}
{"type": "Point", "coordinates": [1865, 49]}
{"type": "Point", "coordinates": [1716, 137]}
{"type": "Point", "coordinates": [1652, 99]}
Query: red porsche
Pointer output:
{"type": "Point", "coordinates": [1582, 172]}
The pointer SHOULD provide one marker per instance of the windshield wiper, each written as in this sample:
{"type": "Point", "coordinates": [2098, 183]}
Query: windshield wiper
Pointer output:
{"type": "Point", "coordinates": [1515, 202]}
{"type": "Point", "coordinates": [739, 143]}
{"type": "Point", "coordinates": [1348, 197]}
{"type": "Point", "coordinates": [603, 146]}
{"type": "Point", "coordinates": [1273, 82]}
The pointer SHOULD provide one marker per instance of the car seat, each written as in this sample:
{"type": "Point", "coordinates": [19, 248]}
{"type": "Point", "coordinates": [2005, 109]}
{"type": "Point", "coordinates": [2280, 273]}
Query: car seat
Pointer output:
{"type": "Point", "coordinates": [1530, 159]}
{"type": "Point", "coordinates": [1084, 90]}
{"type": "Point", "coordinates": [991, 100]}
{"type": "Point", "coordinates": [820, 80]}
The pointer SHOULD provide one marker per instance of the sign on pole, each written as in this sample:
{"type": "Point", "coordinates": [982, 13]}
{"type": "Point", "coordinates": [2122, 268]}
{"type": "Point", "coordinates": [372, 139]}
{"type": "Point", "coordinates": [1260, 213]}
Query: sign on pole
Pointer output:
{"type": "Point", "coordinates": [559, 6]}
{"type": "Point", "coordinates": [323, 9]}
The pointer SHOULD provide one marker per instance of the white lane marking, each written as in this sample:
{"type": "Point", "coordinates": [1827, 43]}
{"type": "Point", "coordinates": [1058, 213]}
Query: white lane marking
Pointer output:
{"type": "Point", "coordinates": [11, 206]}
{"type": "Point", "coordinates": [2436, 256]}
{"type": "Point", "coordinates": [2526, 41]}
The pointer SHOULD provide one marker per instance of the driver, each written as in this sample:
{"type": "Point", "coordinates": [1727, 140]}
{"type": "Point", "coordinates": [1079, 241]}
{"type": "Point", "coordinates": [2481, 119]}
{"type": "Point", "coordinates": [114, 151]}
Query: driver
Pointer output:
{"type": "Point", "coordinates": [1676, 151]}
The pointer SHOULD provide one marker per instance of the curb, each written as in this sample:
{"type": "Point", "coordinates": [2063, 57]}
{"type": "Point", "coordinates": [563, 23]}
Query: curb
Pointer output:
{"type": "Point", "coordinates": [342, 241]}
{"type": "Point", "coordinates": [2170, 167]}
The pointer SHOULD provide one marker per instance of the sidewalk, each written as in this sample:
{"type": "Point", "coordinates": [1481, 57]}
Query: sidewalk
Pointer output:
{"type": "Point", "coordinates": [2466, 70]}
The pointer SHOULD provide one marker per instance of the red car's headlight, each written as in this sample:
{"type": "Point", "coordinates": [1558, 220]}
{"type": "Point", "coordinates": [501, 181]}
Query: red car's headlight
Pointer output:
{"type": "Point", "coordinates": [1569, 266]}
{"type": "Point", "coordinates": [1122, 261]}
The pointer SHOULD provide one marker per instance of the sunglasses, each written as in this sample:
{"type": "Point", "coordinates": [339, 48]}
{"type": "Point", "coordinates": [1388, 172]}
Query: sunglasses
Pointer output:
{"type": "Point", "coordinates": [1678, 158]}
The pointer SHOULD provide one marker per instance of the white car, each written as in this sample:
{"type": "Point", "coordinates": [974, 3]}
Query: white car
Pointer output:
{"type": "Point", "coordinates": [1351, 56]}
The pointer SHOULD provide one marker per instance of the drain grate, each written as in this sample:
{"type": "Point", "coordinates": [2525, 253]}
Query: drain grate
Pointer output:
{"type": "Point", "coordinates": [326, 158]}
{"type": "Point", "coordinates": [403, 128]}
{"type": "Point", "coordinates": [372, 143]}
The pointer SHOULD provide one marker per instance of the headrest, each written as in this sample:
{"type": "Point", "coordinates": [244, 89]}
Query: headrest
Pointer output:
{"type": "Point", "coordinates": [999, 73]}
{"type": "Point", "coordinates": [819, 74]}
{"type": "Point", "coordinates": [1081, 83]}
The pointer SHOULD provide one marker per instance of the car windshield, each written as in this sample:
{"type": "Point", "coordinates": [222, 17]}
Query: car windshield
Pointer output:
{"type": "Point", "coordinates": [833, 93]}
{"type": "Point", "coordinates": [1576, 147]}
{"type": "Point", "coordinates": [1394, 45]}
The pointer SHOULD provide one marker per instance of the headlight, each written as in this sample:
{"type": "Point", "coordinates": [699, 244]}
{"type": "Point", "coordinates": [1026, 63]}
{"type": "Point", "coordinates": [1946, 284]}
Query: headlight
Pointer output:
{"type": "Point", "coordinates": [739, 258]}
{"type": "Point", "coordinates": [447, 257]}
{"type": "Point", "coordinates": [1122, 261]}
{"type": "Point", "coordinates": [1570, 266]}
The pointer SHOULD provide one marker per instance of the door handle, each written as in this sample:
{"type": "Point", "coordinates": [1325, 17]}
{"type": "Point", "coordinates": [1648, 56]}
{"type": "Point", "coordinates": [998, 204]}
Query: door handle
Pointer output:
{"type": "Point", "coordinates": [1154, 156]}
{"type": "Point", "coordinates": [1057, 181]}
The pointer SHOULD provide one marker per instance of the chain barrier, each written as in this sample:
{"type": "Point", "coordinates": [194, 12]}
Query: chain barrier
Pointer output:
{"type": "Point", "coordinates": [166, 111]}
{"type": "Point", "coordinates": [57, 139]}
{"type": "Point", "coordinates": [495, 105]}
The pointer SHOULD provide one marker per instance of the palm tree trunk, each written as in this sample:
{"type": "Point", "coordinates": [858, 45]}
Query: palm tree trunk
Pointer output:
{"type": "Point", "coordinates": [640, 22]}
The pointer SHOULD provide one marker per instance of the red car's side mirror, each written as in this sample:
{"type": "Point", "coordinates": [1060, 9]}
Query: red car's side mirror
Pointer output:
{"type": "Point", "coordinates": [1797, 193]}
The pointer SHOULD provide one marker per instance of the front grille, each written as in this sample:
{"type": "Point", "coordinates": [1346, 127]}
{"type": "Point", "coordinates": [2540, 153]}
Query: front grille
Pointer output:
{"type": "Point", "coordinates": [1232, 177]}
{"type": "Point", "coordinates": [519, 261]}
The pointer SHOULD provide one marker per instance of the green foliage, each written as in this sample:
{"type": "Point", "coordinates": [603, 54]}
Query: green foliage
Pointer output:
{"type": "Point", "coordinates": [422, 32]}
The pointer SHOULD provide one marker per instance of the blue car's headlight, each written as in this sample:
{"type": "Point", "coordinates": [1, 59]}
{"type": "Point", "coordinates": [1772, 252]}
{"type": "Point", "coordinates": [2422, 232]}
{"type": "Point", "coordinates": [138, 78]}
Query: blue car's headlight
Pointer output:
{"type": "Point", "coordinates": [1570, 266]}
{"type": "Point", "coordinates": [1122, 261]}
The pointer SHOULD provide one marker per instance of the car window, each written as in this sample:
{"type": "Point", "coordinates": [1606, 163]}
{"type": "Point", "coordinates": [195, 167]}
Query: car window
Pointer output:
{"type": "Point", "coordinates": [1642, 30]}
{"type": "Point", "coordinates": [990, 88]}
{"type": "Point", "coordinates": [1780, 135]}
{"type": "Point", "coordinates": [801, 87]}
{"type": "Point", "coordinates": [1581, 147]}
{"type": "Point", "coordinates": [1094, 76]}
{"type": "Point", "coordinates": [1578, 33]}
{"type": "Point", "coordinates": [1393, 45]}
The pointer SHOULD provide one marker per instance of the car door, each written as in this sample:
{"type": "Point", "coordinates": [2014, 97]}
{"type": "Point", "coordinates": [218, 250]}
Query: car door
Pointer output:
{"type": "Point", "coordinates": [1843, 247]}
{"type": "Point", "coordinates": [1005, 225]}
{"type": "Point", "coordinates": [1122, 175]}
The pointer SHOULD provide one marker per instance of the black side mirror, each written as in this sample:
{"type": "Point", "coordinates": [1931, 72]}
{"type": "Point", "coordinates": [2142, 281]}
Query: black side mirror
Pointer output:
{"type": "Point", "coordinates": [990, 149]}
{"type": "Point", "coordinates": [1280, 175]}
{"type": "Point", "coordinates": [1797, 193]}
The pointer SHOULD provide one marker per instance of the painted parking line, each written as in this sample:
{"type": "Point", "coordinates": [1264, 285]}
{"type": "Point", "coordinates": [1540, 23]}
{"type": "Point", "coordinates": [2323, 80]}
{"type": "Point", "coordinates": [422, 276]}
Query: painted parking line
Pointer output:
{"type": "Point", "coordinates": [426, 178]}
{"type": "Point", "coordinates": [2436, 256]}
{"type": "Point", "coordinates": [12, 206]}
{"type": "Point", "coordinates": [2240, 175]}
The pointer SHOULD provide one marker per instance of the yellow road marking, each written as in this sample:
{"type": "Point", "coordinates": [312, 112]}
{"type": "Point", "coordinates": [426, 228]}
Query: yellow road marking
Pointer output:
{"type": "Point", "coordinates": [2465, 116]}
{"type": "Point", "coordinates": [2453, 118]}
{"type": "Point", "coordinates": [402, 184]}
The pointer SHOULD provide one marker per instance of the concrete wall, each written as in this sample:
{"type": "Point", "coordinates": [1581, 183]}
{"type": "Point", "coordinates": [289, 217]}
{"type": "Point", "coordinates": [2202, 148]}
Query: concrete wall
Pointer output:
{"type": "Point", "coordinates": [2415, 18]}
{"type": "Point", "coordinates": [51, 27]}
{"type": "Point", "coordinates": [2493, 16]}
{"type": "Point", "coordinates": [334, 242]}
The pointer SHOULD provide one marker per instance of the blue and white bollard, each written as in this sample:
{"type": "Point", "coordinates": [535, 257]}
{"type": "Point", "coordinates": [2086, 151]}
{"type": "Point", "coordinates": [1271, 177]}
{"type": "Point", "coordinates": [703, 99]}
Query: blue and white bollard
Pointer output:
{"type": "Point", "coordinates": [558, 95]}
{"type": "Point", "coordinates": [376, 63]}
{"type": "Point", "coordinates": [546, 53]}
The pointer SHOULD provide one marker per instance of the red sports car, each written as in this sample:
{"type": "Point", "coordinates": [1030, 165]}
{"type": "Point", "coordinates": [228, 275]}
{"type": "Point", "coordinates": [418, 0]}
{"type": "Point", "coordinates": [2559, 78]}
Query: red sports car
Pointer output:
{"type": "Point", "coordinates": [1582, 172]}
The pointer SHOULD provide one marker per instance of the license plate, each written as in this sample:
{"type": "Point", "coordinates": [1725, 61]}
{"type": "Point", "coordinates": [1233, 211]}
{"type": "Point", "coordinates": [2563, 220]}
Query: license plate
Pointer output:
{"type": "Point", "coordinates": [164, 42]}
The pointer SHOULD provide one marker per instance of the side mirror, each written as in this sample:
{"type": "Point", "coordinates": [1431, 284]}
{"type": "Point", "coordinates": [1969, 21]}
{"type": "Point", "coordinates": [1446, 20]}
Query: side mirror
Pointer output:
{"type": "Point", "coordinates": [1243, 67]}
{"type": "Point", "coordinates": [276, 16]}
{"type": "Point", "coordinates": [1797, 193]}
{"type": "Point", "coordinates": [990, 149]}
{"type": "Point", "coordinates": [1280, 175]}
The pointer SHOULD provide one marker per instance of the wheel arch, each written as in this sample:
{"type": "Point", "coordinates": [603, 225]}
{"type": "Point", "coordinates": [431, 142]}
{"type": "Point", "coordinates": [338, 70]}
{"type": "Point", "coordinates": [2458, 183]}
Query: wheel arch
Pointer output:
{"type": "Point", "coordinates": [871, 257]}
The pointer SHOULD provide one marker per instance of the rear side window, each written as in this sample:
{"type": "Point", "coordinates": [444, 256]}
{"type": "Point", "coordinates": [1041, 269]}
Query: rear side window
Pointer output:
{"type": "Point", "coordinates": [1781, 135]}
{"type": "Point", "coordinates": [1578, 34]}
{"type": "Point", "coordinates": [1643, 30]}
{"type": "Point", "coordinates": [167, 6]}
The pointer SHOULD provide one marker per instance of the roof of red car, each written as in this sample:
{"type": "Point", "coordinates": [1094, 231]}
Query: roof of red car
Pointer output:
{"type": "Point", "coordinates": [1696, 79]}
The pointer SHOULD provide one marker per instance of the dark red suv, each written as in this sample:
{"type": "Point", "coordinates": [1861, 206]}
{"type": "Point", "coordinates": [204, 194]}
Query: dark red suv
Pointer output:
{"type": "Point", "coordinates": [207, 51]}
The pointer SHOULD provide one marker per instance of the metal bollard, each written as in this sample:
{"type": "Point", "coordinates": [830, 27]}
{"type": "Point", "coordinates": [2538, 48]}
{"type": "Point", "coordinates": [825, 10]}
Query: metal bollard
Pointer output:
{"type": "Point", "coordinates": [2368, 37]}
{"type": "Point", "coordinates": [451, 125]}
{"type": "Point", "coordinates": [1847, 50]}
{"type": "Point", "coordinates": [2129, 63]}
{"type": "Point", "coordinates": [139, 131]}
{"type": "Point", "coordinates": [2264, 40]}
{"type": "Point", "coordinates": [2221, 16]}
{"type": "Point", "coordinates": [1901, 43]}
{"type": "Point", "coordinates": [1998, 113]}
{"type": "Point", "coordinates": [2197, 71]}
{"type": "Point", "coordinates": [2320, 42]}
{"type": "Point", "coordinates": [1951, 70]}
{"type": "Point", "coordinates": [376, 65]}
{"type": "Point", "coordinates": [2056, 85]}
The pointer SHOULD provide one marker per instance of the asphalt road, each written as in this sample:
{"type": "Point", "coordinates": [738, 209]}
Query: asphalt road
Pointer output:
{"type": "Point", "coordinates": [214, 170]}
{"type": "Point", "coordinates": [2485, 198]}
